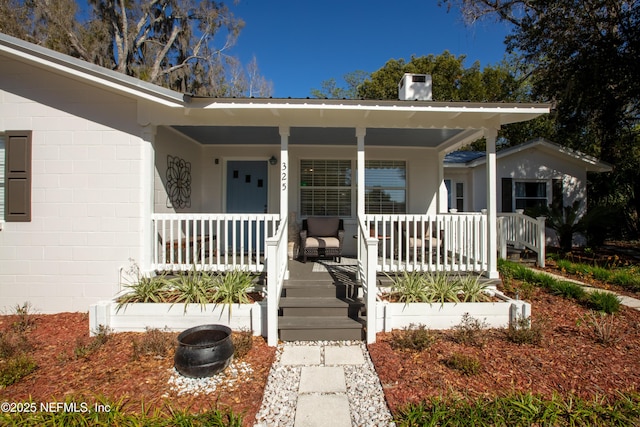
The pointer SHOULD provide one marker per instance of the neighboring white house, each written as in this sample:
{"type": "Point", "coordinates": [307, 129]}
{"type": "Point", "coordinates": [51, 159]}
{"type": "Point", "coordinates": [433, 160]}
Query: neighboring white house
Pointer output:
{"type": "Point", "coordinates": [538, 172]}
{"type": "Point", "coordinates": [102, 168]}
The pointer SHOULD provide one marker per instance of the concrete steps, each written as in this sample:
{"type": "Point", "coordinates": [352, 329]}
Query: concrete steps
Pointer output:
{"type": "Point", "coordinates": [319, 311]}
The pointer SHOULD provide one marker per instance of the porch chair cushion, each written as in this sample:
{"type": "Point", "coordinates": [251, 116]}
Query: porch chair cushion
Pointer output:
{"type": "Point", "coordinates": [430, 239]}
{"type": "Point", "coordinates": [322, 236]}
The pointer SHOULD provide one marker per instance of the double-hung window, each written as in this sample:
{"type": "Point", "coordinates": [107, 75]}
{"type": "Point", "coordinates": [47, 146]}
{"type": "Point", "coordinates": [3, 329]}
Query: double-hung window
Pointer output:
{"type": "Point", "coordinates": [385, 187]}
{"type": "Point", "coordinates": [530, 194]}
{"type": "Point", "coordinates": [455, 195]}
{"type": "Point", "coordinates": [325, 187]}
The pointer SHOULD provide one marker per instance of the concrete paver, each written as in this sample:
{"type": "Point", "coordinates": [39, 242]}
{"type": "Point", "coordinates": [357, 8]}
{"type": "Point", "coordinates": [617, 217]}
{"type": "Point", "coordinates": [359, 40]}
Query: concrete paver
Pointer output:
{"type": "Point", "coordinates": [301, 355]}
{"type": "Point", "coordinates": [322, 410]}
{"type": "Point", "coordinates": [322, 379]}
{"type": "Point", "coordinates": [343, 355]}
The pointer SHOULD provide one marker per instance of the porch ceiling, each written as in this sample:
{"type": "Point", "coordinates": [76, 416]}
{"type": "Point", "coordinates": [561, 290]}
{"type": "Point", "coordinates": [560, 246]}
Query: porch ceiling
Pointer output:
{"type": "Point", "coordinates": [262, 135]}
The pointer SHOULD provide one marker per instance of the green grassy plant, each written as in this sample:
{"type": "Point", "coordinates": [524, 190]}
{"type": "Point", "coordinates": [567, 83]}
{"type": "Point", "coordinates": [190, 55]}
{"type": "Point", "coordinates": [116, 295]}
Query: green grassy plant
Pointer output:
{"type": "Point", "coordinates": [412, 338]}
{"type": "Point", "coordinates": [410, 287]}
{"type": "Point", "coordinates": [472, 288]}
{"type": "Point", "coordinates": [146, 289]}
{"type": "Point", "coordinates": [523, 409]}
{"type": "Point", "coordinates": [97, 416]}
{"type": "Point", "coordinates": [442, 289]}
{"type": "Point", "coordinates": [193, 287]}
{"type": "Point", "coordinates": [567, 290]}
{"type": "Point", "coordinates": [604, 301]}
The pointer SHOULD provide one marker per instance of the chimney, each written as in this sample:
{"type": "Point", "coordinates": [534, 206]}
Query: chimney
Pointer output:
{"type": "Point", "coordinates": [415, 87]}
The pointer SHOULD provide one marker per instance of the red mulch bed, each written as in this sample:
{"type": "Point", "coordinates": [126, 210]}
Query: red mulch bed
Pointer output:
{"type": "Point", "coordinates": [112, 372]}
{"type": "Point", "coordinates": [568, 361]}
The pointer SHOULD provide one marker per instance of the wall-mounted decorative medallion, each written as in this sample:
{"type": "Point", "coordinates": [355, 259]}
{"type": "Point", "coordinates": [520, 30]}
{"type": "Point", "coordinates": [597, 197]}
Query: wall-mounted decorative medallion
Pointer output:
{"type": "Point", "coordinates": [178, 183]}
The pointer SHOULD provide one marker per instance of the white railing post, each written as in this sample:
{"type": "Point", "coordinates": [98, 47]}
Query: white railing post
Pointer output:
{"type": "Point", "coordinates": [276, 247]}
{"type": "Point", "coordinates": [372, 258]}
{"type": "Point", "coordinates": [502, 236]}
{"type": "Point", "coordinates": [542, 240]}
{"type": "Point", "coordinates": [367, 266]}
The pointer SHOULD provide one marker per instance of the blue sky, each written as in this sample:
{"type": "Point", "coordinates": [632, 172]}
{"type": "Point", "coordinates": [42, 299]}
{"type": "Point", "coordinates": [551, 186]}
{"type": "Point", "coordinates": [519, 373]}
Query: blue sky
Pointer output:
{"type": "Point", "coordinates": [300, 43]}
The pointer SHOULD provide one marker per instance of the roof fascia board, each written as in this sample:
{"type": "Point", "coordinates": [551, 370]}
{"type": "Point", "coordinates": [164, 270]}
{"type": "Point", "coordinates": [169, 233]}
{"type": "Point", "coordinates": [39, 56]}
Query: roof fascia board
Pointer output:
{"type": "Point", "coordinates": [593, 164]}
{"type": "Point", "coordinates": [77, 68]}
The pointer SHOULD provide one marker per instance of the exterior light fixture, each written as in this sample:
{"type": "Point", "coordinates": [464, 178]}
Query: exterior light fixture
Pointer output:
{"type": "Point", "coordinates": [273, 160]}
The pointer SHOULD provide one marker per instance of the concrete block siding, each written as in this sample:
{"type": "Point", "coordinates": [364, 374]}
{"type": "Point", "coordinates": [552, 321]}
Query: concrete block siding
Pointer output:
{"type": "Point", "coordinates": [87, 193]}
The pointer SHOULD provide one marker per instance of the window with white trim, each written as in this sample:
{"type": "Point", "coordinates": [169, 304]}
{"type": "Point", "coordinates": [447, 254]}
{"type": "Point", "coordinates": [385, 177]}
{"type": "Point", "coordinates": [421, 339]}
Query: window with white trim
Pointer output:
{"type": "Point", "coordinates": [455, 195]}
{"type": "Point", "coordinates": [325, 187]}
{"type": "Point", "coordinates": [530, 194]}
{"type": "Point", "coordinates": [385, 187]}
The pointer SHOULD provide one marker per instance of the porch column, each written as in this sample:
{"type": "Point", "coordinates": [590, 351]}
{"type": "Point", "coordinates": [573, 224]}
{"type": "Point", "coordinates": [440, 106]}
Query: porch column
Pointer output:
{"type": "Point", "coordinates": [147, 183]}
{"type": "Point", "coordinates": [360, 134]}
{"type": "Point", "coordinates": [284, 171]}
{"type": "Point", "coordinates": [490, 135]}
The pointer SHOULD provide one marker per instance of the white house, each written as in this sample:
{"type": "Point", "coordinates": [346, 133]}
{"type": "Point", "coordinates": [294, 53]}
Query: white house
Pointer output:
{"type": "Point", "coordinates": [538, 172]}
{"type": "Point", "coordinates": [102, 168]}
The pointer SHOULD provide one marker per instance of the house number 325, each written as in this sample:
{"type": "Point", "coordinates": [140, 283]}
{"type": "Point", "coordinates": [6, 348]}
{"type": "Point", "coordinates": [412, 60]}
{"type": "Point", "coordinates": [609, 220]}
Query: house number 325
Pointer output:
{"type": "Point", "coordinates": [283, 178]}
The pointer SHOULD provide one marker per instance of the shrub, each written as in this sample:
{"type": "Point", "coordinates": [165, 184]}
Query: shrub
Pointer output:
{"type": "Point", "coordinates": [413, 338]}
{"type": "Point", "coordinates": [525, 332]}
{"type": "Point", "coordinates": [84, 347]}
{"type": "Point", "coordinates": [467, 365]}
{"type": "Point", "coordinates": [604, 301]}
{"type": "Point", "coordinates": [470, 331]}
{"type": "Point", "coordinates": [13, 343]}
{"type": "Point", "coordinates": [24, 317]}
{"type": "Point", "coordinates": [153, 342]}
{"type": "Point", "coordinates": [16, 368]}
{"type": "Point", "coordinates": [242, 343]}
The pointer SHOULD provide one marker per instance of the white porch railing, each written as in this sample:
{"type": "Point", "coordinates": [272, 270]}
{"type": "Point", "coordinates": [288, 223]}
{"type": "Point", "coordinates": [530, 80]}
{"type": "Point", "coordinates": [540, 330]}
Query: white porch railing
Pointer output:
{"type": "Point", "coordinates": [211, 241]}
{"type": "Point", "coordinates": [367, 263]}
{"type": "Point", "coordinates": [443, 242]}
{"type": "Point", "coordinates": [276, 274]}
{"type": "Point", "coordinates": [522, 231]}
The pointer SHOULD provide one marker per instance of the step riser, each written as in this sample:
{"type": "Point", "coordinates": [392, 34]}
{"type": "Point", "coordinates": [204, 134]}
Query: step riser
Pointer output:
{"type": "Point", "coordinates": [351, 312]}
{"type": "Point", "coordinates": [321, 334]}
{"type": "Point", "coordinates": [311, 292]}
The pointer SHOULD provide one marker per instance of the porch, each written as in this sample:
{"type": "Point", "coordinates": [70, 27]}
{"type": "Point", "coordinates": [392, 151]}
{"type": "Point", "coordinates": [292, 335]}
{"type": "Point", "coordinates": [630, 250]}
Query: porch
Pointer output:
{"type": "Point", "coordinates": [386, 244]}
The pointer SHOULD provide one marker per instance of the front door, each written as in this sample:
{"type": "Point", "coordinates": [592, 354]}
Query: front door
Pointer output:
{"type": "Point", "coordinates": [247, 193]}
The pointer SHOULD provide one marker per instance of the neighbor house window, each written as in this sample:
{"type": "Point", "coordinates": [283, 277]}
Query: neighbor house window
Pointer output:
{"type": "Point", "coordinates": [385, 187]}
{"type": "Point", "coordinates": [325, 187]}
{"type": "Point", "coordinates": [530, 194]}
{"type": "Point", "coordinates": [455, 195]}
